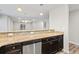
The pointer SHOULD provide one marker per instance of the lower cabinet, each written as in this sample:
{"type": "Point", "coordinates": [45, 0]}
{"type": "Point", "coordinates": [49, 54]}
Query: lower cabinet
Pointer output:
{"type": "Point", "coordinates": [60, 42]}
{"type": "Point", "coordinates": [49, 45]}
{"type": "Point", "coordinates": [11, 49]}
{"type": "Point", "coordinates": [52, 45]}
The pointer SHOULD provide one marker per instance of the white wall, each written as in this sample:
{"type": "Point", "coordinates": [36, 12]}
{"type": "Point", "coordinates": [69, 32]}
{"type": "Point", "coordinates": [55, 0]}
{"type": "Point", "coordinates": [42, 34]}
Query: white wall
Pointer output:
{"type": "Point", "coordinates": [5, 23]}
{"type": "Point", "coordinates": [58, 20]}
{"type": "Point", "coordinates": [9, 24]}
{"type": "Point", "coordinates": [74, 27]}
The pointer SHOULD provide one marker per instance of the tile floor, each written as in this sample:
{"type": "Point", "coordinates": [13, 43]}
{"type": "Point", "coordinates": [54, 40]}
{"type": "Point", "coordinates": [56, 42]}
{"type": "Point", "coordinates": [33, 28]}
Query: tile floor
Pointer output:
{"type": "Point", "coordinates": [73, 49]}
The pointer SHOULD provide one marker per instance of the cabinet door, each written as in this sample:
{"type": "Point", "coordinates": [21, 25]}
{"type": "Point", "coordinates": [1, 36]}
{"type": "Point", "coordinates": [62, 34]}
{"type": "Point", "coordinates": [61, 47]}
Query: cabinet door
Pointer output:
{"type": "Point", "coordinates": [60, 42]}
{"type": "Point", "coordinates": [28, 49]}
{"type": "Point", "coordinates": [53, 46]}
{"type": "Point", "coordinates": [50, 46]}
{"type": "Point", "coordinates": [46, 48]}
{"type": "Point", "coordinates": [11, 49]}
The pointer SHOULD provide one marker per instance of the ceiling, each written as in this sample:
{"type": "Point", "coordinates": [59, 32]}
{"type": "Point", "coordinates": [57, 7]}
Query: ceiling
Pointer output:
{"type": "Point", "coordinates": [28, 10]}
{"type": "Point", "coordinates": [73, 7]}
{"type": "Point", "coordinates": [32, 11]}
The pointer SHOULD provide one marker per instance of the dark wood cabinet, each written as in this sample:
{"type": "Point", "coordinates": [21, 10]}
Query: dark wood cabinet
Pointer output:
{"type": "Point", "coordinates": [60, 42]}
{"type": "Point", "coordinates": [45, 48]}
{"type": "Point", "coordinates": [52, 44]}
{"type": "Point", "coordinates": [11, 49]}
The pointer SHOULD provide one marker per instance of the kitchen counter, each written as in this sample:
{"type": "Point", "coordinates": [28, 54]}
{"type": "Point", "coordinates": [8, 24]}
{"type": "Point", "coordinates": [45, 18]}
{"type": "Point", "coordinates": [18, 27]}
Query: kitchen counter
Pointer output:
{"type": "Point", "coordinates": [16, 37]}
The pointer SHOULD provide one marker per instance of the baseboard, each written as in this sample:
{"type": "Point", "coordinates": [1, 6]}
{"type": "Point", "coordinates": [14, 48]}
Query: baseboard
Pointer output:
{"type": "Point", "coordinates": [74, 43]}
{"type": "Point", "coordinates": [66, 51]}
{"type": "Point", "coordinates": [77, 44]}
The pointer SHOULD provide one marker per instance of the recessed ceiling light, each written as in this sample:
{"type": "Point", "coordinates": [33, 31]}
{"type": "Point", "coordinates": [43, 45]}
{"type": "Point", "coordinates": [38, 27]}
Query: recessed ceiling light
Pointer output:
{"type": "Point", "coordinates": [41, 14]}
{"type": "Point", "coordinates": [19, 9]}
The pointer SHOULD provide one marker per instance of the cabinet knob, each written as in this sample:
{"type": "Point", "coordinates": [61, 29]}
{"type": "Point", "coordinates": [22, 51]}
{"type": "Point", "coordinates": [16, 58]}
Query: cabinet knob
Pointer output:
{"type": "Point", "coordinates": [47, 39]}
{"type": "Point", "coordinates": [13, 47]}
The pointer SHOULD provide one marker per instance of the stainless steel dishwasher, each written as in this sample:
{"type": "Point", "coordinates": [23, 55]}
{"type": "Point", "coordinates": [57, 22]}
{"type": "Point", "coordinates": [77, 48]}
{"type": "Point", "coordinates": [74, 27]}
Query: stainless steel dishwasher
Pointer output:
{"type": "Point", "coordinates": [32, 48]}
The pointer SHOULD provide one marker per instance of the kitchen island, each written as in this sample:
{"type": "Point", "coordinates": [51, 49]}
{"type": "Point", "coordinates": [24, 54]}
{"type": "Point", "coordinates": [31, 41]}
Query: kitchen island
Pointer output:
{"type": "Point", "coordinates": [16, 42]}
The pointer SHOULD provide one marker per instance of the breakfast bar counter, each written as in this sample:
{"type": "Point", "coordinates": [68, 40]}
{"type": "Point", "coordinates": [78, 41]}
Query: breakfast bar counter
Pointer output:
{"type": "Point", "coordinates": [15, 38]}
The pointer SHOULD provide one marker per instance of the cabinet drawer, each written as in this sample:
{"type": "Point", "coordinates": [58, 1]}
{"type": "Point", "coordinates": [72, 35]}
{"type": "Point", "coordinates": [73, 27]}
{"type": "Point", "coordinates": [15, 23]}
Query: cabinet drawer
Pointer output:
{"type": "Point", "coordinates": [49, 47]}
{"type": "Point", "coordinates": [45, 40]}
{"type": "Point", "coordinates": [59, 37]}
{"type": "Point", "coordinates": [12, 47]}
{"type": "Point", "coordinates": [17, 51]}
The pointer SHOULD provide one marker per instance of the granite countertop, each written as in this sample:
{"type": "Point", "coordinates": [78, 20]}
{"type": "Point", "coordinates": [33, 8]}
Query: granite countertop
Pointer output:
{"type": "Point", "coordinates": [15, 38]}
